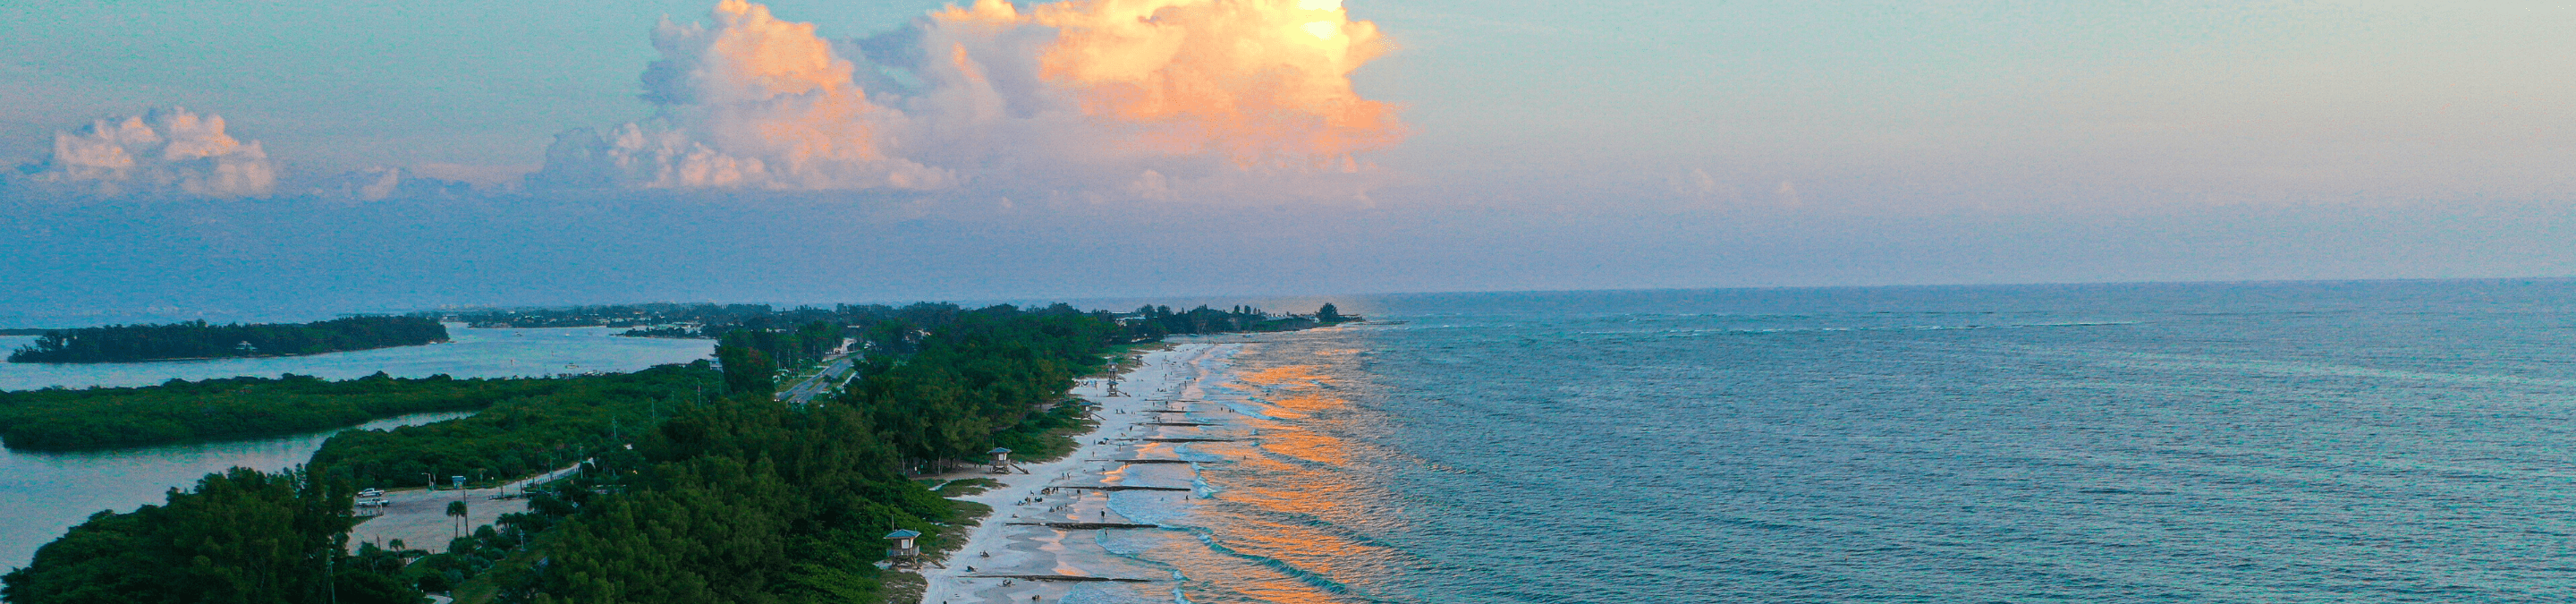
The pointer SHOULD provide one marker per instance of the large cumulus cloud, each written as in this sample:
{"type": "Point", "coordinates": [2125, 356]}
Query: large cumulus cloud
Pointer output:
{"type": "Point", "coordinates": [168, 151]}
{"type": "Point", "coordinates": [1155, 99]}
{"type": "Point", "coordinates": [752, 101]}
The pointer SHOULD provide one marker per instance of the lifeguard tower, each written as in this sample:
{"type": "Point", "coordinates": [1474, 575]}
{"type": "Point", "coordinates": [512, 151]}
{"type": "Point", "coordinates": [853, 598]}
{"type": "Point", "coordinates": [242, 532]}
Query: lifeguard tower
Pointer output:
{"type": "Point", "coordinates": [904, 551]}
{"type": "Point", "coordinates": [1001, 460]}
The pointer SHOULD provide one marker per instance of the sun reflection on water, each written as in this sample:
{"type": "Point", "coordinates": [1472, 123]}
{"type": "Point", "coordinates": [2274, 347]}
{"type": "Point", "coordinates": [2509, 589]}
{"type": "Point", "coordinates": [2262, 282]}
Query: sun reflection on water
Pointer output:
{"type": "Point", "coordinates": [1290, 496]}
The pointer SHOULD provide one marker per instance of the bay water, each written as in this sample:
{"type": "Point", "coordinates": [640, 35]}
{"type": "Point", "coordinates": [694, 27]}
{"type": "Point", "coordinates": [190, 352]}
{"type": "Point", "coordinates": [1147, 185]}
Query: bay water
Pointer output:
{"type": "Point", "coordinates": [469, 353]}
{"type": "Point", "coordinates": [2269, 442]}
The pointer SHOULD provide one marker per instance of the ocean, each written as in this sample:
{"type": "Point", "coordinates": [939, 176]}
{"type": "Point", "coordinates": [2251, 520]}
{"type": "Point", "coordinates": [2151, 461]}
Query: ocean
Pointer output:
{"type": "Point", "coordinates": [2268, 442]}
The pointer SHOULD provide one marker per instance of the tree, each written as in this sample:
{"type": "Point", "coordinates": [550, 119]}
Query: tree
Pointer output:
{"type": "Point", "coordinates": [1328, 314]}
{"type": "Point", "coordinates": [199, 339]}
{"type": "Point", "coordinates": [456, 509]}
{"type": "Point", "coordinates": [238, 536]}
{"type": "Point", "coordinates": [747, 370]}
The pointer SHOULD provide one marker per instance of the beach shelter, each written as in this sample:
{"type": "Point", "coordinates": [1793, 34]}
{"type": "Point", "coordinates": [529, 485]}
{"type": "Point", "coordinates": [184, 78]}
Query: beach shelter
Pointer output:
{"type": "Point", "coordinates": [903, 545]}
{"type": "Point", "coordinates": [904, 550]}
{"type": "Point", "coordinates": [1001, 460]}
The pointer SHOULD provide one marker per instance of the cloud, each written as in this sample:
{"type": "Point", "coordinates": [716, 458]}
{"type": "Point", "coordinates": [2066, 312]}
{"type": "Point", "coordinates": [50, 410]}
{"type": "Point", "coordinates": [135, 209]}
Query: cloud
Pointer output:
{"type": "Point", "coordinates": [381, 183]}
{"type": "Point", "coordinates": [752, 102]}
{"type": "Point", "coordinates": [1696, 184]}
{"type": "Point", "coordinates": [167, 151]}
{"type": "Point", "coordinates": [1154, 99]}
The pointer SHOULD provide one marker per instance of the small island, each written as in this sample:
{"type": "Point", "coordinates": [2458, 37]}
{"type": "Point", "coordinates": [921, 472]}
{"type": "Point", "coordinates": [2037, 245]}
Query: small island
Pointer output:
{"type": "Point", "coordinates": [201, 340]}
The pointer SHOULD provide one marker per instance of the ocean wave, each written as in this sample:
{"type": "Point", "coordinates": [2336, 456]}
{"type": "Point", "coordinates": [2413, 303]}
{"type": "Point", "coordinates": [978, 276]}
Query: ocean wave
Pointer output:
{"type": "Point", "coordinates": [1860, 328]}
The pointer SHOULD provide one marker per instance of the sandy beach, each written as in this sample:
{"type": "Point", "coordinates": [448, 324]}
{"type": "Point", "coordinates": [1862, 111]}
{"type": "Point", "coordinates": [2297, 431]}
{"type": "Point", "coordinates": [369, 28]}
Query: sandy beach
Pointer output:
{"type": "Point", "coordinates": [1013, 557]}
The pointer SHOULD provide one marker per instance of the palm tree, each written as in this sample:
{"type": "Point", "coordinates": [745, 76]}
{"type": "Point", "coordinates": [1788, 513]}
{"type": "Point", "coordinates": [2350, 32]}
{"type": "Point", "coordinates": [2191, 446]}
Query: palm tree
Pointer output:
{"type": "Point", "coordinates": [457, 509]}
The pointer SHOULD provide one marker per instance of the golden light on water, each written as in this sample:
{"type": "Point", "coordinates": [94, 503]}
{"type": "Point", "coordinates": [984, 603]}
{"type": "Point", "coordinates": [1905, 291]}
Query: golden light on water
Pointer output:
{"type": "Point", "coordinates": [1304, 473]}
{"type": "Point", "coordinates": [1305, 445]}
{"type": "Point", "coordinates": [1282, 375]}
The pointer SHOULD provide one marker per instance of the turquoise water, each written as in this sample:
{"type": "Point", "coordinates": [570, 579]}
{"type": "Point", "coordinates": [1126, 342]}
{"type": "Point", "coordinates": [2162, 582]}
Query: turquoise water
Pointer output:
{"type": "Point", "coordinates": [42, 494]}
{"type": "Point", "coordinates": [2335, 442]}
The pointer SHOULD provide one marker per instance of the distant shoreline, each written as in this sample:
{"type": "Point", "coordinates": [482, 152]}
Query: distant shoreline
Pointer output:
{"type": "Point", "coordinates": [224, 358]}
{"type": "Point", "coordinates": [199, 340]}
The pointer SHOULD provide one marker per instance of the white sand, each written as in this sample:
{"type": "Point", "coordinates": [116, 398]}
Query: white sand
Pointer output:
{"type": "Point", "coordinates": [997, 548]}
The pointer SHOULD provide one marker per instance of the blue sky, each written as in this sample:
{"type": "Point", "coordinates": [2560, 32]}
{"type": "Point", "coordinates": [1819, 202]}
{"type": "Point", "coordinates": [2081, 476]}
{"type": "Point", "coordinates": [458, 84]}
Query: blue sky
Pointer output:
{"type": "Point", "coordinates": [1687, 144]}
{"type": "Point", "coordinates": [2324, 99]}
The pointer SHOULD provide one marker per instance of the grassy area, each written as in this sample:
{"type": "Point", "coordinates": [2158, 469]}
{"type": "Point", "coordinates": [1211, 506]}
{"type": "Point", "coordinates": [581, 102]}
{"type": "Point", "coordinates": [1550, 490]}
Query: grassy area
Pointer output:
{"type": "Point", "coordinates": [963, 487]}
{"type": "Point", "coordinates": [905, 587]}
{"type": "Point", "coordinates": [901, 587]}
{"type": "Point", "coordinates": [963, 516]}
{"type": "Point", "coordinates": [1125, 357]}
{"type": "Point", "coordinates": [476, 592]}
{"type": "Point", "coordinates": [1048, 436]}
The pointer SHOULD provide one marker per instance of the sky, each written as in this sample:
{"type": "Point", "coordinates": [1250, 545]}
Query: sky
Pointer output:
{"type": "Point", "coordinates": [358, 156]}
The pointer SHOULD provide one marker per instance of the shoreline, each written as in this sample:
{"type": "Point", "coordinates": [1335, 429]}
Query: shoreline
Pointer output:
{"type": "Point", "coordinates": [228, 357]}
{"type": "Point", "coordinates": [1014, 554]}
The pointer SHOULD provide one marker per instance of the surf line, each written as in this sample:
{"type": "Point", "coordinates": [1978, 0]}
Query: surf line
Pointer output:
{"type": "Point", "coordinates": [1083, 526]}
{"type": "Point", "coordinates": [1074, 578]}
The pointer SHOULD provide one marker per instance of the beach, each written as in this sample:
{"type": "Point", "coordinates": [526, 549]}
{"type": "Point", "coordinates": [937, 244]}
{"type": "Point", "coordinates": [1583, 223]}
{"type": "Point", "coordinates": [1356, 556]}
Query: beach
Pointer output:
{"type": "Point", "coordinates": [1014, 556]}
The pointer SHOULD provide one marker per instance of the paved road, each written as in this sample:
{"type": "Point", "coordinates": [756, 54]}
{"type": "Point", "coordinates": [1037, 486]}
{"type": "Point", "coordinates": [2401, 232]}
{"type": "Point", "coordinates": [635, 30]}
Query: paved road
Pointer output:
{"type": "Point", "coordinates": [834, 373]}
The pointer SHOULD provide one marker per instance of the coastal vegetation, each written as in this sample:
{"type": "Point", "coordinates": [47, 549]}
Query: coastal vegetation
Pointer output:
{"type": "Point", "coordinates": [698, 484]}
{"type": "Point", "coordinates": [994, 377]}
{"type": "Point", "coordinates": [751, 355]}
{"type": "Point", "coordinates": [238, 536]}
{"type": "Point", "coordinates": [181, 411]}
{"type": "Point", "coordinates": [202, 340]}
{"type": "Point", "coordinates": [1153, 322]}
{"type": "Point", "coordinates": [568, 420]}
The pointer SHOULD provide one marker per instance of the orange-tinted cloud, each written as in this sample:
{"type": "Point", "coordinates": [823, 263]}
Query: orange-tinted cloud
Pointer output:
{"type": "Point", "coordinates": [751, 102]}
{"type": "Point", "coordinates": [1148, 99]}
{"type": "Point", "coordinates": [1261, 82]}
{"type": "Point", "coordinates": [164, 151]}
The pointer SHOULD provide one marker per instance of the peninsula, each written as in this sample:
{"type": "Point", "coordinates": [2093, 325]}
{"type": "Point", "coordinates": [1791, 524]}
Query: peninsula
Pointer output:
{"type": "Point", "coordinates": [202, 340]}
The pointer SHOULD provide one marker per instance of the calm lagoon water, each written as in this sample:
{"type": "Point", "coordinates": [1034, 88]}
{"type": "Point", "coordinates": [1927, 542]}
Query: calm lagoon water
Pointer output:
{"type": "Point", "coordinates": [473, 353]}
{"type": "Point", "coordinates": [41, 494]}
{"type": "Point", "coordinates": [2308, 442]}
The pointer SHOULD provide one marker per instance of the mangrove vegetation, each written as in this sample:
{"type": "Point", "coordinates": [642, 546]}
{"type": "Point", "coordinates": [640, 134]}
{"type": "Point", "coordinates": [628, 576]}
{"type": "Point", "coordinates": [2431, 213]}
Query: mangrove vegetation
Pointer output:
{"type": "Point", "coordinates": [202, 340]}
